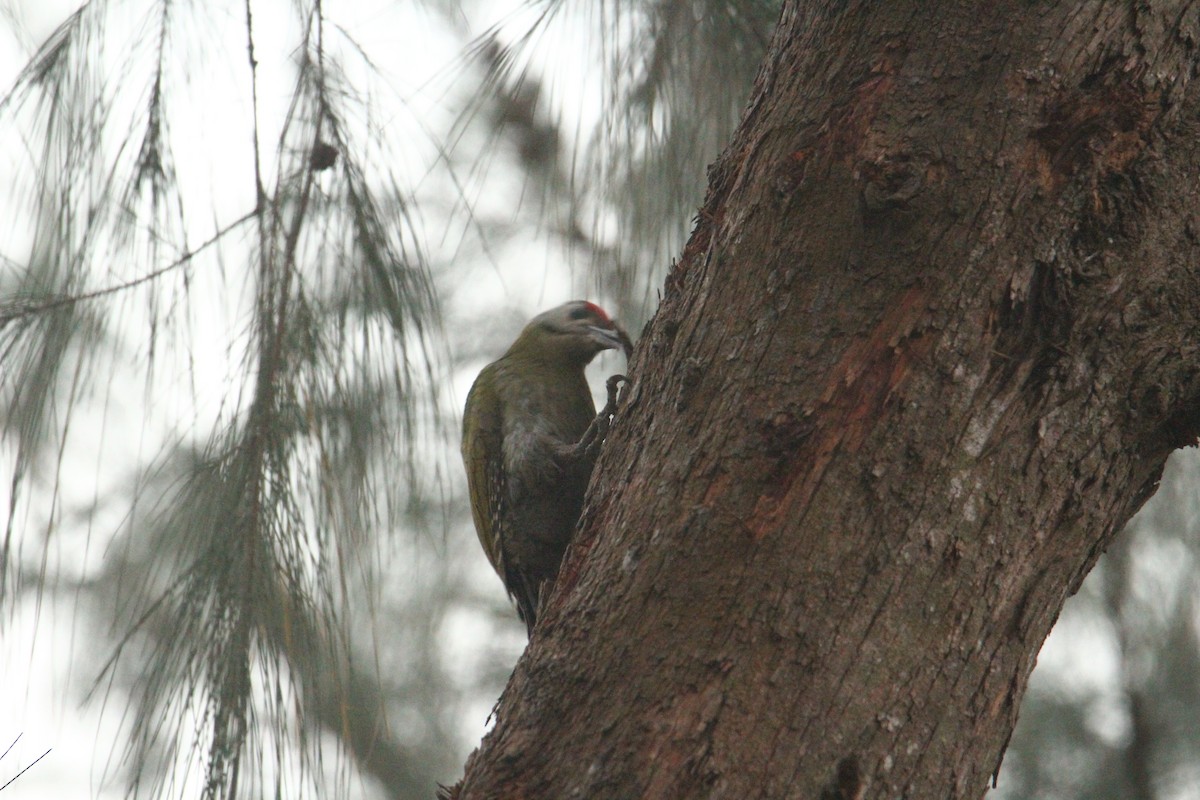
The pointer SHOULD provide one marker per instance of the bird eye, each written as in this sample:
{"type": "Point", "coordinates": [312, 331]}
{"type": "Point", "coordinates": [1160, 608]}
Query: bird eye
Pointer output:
{"type": "Point", "coordinates": [579, 312]}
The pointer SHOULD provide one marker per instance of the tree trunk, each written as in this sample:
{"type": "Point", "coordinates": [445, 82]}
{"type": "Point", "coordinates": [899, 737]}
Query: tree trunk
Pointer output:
{"type": "Point", "coordinates": [929, 345]}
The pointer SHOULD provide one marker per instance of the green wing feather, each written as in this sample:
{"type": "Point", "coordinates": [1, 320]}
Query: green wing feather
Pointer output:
{"type": "Point", "coordinates": [483, 454]}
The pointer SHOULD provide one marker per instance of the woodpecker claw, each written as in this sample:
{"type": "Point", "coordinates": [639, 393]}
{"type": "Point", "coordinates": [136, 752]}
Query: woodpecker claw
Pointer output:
{"type": "Point", "coordinates": [613, 386]}
{"type": "Point", "coordinates": [593, 437]}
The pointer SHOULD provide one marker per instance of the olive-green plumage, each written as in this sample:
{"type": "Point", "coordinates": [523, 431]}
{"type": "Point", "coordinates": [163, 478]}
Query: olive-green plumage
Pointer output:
{"type": "Point", "coordinates": [526, 469]}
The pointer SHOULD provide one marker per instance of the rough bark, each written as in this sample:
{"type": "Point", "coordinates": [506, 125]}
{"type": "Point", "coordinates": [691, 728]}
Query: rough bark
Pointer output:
{"type": "Point", "coordinates": [927, 350]}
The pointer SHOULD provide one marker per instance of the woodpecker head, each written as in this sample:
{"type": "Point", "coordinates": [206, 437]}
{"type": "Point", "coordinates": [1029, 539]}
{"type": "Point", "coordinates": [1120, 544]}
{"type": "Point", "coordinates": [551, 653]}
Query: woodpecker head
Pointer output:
{"type": "Point", "coordinates": [575, 332]}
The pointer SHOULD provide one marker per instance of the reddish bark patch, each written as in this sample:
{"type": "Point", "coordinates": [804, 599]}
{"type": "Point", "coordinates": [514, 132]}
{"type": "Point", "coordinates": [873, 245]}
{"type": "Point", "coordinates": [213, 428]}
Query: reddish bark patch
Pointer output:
{"type": "Point", "coordinates": [861, 384]}
{"type": "Point", "coordinates": [849, 124]}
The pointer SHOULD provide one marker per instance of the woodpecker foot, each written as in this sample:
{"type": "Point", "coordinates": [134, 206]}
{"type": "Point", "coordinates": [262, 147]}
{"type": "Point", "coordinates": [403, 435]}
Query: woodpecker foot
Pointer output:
{"type": "Point", "coordinates": [593, 437]}
{"type": "Point", "coordinates": [613, 387]}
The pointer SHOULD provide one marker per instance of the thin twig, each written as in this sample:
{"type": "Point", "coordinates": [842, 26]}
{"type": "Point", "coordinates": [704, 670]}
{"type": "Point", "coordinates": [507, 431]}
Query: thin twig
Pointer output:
{"type": "Point", "coordinates": [58, 302]}
{"type": "Point", "coordinates": [11, 746]}
{"type": "Point", "coordinates": [22, 772]}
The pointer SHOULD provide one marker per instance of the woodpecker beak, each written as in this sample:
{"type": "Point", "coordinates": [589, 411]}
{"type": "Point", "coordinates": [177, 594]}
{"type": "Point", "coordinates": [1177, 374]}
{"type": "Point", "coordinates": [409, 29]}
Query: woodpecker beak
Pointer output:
{"type": "Point", "coordinates": [613, 338]}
